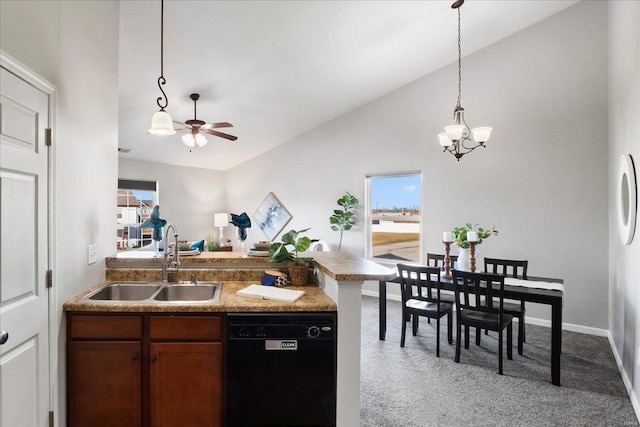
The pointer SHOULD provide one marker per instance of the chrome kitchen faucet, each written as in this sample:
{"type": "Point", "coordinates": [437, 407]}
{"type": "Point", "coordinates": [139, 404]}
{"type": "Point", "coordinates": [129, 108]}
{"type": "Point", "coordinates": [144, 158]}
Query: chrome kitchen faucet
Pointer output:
{"type": "Point", "coordinates": [176, 253]}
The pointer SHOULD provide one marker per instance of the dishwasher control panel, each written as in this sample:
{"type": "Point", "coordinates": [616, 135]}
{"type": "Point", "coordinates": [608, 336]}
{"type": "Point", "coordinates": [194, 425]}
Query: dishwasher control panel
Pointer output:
{"type": "Point", "coordinates": [290, 326]}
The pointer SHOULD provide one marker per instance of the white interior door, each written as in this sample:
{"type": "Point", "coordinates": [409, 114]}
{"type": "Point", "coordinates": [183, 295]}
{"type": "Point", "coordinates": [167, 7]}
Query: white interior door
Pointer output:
{"type": "Point", "coordinates": [24, 357]}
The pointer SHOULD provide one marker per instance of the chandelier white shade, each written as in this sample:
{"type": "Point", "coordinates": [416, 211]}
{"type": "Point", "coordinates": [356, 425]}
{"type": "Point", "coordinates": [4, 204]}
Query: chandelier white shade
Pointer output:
{"type": "Point", "coordinates": [457, 138]}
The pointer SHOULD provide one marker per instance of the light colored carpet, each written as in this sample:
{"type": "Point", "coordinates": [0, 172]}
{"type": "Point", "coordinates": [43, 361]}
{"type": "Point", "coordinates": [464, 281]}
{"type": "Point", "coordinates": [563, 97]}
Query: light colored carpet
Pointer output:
{"type": "Point", "coordinates": [410, 386]}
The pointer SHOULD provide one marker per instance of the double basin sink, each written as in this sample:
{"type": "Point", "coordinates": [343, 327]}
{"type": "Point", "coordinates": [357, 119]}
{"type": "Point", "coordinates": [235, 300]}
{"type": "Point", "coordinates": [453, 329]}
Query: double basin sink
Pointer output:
{"type": "Point", "coordinates": [157, 292]}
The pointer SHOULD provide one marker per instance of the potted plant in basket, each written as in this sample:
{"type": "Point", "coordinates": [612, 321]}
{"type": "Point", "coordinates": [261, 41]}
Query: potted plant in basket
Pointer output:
{"type": "Point", "coordinates": [298, 266]}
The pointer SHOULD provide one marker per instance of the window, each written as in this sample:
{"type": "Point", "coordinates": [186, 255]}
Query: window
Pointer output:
{"type": "Point", "coordinates": [136, 200]}
{"type": "Point", "coordinates": [394, 217]}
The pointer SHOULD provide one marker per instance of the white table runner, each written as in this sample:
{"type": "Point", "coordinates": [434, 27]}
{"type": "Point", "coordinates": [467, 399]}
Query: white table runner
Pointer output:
{"type": "Point", "coordinates": [552, 286]}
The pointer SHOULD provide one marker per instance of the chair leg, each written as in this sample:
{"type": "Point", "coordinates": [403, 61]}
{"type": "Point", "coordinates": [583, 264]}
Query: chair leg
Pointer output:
{"type": "Point", "coordinates": [520, 334]}
{"type": "Point", "coordinates": [404, 329]}
{"type": "Point", "coordinates": [458, 339]}
{"type": "Point", "coordinates": [522, 309]}
{"type": "Point", "coordinates": [500, 352]}
{"type": "Point", "coordinates": [450, 327]}
{"type": "Point", "coordinates": [466, 336]}
{"type": "Point", "coordinates": [510, 342]}
{"type": "Point", "coordinates": [478, 332]}
{"type": "Point", "coordinates": [437, 337]}
{"type": "Point", "coordinates": [414, 325]}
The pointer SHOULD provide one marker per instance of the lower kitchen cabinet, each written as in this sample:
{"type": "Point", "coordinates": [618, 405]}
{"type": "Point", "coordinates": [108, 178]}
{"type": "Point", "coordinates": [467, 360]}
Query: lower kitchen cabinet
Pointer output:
{"type": "Point", "coordinates": [186, 384]}
{"type": "Point", "coordinates": [104, 387]}
{"type": "Point", "coordinates": [144, 370]}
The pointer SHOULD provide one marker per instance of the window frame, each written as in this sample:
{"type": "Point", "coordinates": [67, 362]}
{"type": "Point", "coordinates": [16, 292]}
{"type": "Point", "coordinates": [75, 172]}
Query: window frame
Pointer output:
{"type": "Point", "coordinates": [133, 185]}
{"type": "Point", "coordinates": [369, 218]}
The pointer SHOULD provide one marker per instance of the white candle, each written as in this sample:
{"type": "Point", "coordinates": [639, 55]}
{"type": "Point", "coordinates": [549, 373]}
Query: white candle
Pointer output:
{"type": "Point", "coordinates": [447, 237]}
{"type": "Point", "coordinates": [472, 236]}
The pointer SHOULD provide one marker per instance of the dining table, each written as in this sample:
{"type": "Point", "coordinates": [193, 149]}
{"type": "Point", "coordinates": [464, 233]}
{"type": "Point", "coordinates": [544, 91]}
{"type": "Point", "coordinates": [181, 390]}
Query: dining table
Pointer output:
{"type": "Point", "coordinates": [541, 290]}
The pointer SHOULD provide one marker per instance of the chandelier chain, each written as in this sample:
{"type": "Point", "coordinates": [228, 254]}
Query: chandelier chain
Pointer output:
{"type": "Point", "coordinates": [459, 62]}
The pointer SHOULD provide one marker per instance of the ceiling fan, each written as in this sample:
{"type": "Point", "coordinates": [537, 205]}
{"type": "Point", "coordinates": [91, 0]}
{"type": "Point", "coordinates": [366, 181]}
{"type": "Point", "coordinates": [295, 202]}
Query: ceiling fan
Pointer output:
{"type": "Point", "coordinates": [196, 128]}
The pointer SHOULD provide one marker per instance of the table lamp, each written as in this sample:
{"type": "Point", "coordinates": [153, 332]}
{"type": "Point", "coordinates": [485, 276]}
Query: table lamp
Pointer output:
{"type": "Point", "coordinates": [221, 220]}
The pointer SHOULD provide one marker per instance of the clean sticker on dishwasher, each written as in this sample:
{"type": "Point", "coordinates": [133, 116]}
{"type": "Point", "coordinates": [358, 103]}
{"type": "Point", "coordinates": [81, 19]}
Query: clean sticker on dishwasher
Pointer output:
{"type": "Point", "coordinates": [281, 345]}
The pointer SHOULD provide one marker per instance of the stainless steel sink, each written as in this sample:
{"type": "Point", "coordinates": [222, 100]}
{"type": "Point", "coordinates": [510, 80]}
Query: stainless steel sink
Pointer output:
{"type": "Point", "coordinates": [190, 292]}
{"type": "Point", "coordinates": [158, 292]}
{"type": "Point", "coordinates": [124, 292]}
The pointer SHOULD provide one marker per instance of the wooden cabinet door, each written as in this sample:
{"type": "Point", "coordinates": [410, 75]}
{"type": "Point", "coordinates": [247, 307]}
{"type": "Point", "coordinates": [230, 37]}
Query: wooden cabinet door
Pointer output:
{"type": "Point", "coordinates": [104, 381]}
{"type": "Point", "coordinates": [186, 384]}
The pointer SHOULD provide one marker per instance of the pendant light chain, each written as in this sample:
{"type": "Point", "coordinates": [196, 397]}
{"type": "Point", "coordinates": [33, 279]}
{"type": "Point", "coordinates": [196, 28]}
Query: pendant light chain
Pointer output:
{"type": "Point", "coordinates": [161, 79]}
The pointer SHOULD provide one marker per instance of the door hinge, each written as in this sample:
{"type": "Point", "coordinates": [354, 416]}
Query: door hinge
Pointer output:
{"type": "Point", "coordinates": [49, 278]}
{"type": "Point", "coordinates": [47, 137]}
{"type": "Point", "coordinates": [50, 418]}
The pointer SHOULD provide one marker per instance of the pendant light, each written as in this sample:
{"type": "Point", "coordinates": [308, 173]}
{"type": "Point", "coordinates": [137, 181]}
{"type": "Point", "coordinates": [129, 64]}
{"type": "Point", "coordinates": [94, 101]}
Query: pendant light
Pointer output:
{"type": "Point", "coordinates": [456, 139]}
{"type": "Point", "coordinates": [161, 123]}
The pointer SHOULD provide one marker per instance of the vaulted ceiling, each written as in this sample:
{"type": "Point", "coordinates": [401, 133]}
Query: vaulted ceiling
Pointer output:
{"type": "Point", "coordinates": [276, 69]}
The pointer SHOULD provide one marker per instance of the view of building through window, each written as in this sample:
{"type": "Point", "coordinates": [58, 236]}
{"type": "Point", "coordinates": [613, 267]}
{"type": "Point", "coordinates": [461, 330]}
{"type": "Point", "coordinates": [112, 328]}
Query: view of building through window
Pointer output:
{"type": "Point", "coordinates": [394, 213]}
{"type": "Point", "coordinates": [136, 200]}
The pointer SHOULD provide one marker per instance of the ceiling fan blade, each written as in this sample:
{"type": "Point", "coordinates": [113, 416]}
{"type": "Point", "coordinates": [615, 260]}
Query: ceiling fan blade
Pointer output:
{"type": "Point", "coordinates": [220, 134]}
{"type": "Point", "coordinates": [218, 125]}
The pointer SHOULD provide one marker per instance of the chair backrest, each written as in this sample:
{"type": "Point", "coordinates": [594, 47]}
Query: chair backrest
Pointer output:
{"type": "Point", "coordinates": [420, 277]}
{"type": "Point", "coordinates": [472, 287]}
{"type": "Point", "coordinates": [508, 267]}
{"type": "Point", "coordinates": [437, 260]}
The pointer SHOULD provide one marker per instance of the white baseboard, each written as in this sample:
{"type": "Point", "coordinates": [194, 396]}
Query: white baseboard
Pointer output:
{"type": "Point", "coordinates": [625, 377]}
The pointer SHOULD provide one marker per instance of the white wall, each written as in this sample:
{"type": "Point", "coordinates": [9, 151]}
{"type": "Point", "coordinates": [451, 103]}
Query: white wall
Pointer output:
{"type": "Point", "coordinates": [75, 46]}
{"type": "Point", "coordinates": [624, 131]}
{"type": "Point", "coordinates": [542, 180]}
{"type": "Point", "coordinates": [188, 197]}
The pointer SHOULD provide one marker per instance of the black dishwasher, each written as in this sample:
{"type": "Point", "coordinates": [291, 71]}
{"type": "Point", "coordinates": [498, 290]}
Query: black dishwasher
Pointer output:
{"type": "Point", "coordinates": [281, 369]}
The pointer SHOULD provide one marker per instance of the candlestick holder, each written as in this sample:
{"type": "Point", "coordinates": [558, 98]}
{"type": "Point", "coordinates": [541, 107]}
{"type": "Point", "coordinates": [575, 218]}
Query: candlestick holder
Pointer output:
{"type": "Point", "coordinates": [447, 260]}
{"type": "Point", "coordinates": [472, 257]}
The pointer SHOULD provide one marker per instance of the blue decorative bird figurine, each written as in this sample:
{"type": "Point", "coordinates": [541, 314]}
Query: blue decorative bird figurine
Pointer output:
{"type": "Point", "coordinates": [154, 222]}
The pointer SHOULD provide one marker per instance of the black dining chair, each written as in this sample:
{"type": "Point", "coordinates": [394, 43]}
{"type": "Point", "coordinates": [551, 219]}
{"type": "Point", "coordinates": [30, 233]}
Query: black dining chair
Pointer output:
{"type": "Point", "coordinates": [516, 269]}
{"type": "Point", "coordinates": [426, 304]}
{"type": "Point", "coordinates": [471, 312]}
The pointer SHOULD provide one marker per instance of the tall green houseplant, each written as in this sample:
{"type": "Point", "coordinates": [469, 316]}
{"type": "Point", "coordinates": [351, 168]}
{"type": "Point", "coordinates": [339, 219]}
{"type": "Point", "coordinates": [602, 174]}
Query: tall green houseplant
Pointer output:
{"type": "Point", "coordinates": [343, 219]}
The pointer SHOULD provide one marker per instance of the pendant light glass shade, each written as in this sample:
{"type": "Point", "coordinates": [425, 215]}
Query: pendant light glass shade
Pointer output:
{"type": "Point", "coordinates": [161, 124]}
{"type": "Point", "coordinates": [481, 134]}
{"type": "Point", "coordinates": [444, 140]}
{"type": "Point", "coordinates": [192, 140]}
{"type": "Point", "coordinates": [454, 132]}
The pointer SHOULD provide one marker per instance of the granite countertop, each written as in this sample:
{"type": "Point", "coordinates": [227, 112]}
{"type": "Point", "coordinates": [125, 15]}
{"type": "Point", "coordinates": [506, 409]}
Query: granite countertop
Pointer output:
{"type": "Point", "coordinates": [314, 299]}
{"type": "Point", "coordinates": [340, 266]}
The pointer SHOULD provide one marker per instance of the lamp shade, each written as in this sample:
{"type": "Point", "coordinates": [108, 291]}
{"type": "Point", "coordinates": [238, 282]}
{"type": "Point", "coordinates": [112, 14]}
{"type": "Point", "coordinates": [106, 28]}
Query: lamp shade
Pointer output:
{"type": "Point", "coordinates": [221, 220]}
{"type": "Point", "coordinates": [454, 132]}
{"type": "Point", "coordinates": [444, 140]}
{"type": "Point", "coordinates": [161, 124]}
{"type": "Point", "coordinates": [481, 134]}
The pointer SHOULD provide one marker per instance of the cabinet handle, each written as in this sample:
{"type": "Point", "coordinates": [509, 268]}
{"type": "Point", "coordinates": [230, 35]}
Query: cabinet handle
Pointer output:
{"type": "Point", "coordinates": [154, 357]}
{"type": "Point", "coordinates": [134, 355]}
{"type": "Point", "coordinates": [4, 337]}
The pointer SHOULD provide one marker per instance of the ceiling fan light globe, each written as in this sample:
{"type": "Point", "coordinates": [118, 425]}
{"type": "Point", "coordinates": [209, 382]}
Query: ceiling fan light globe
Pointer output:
{"type": "Point", "coordinates": [161, 124]}
{"type": "Point", "coordinates": [189, 140]}
{"type": "Point", "coordinates": [200, 140]}
{"type": "Point", "coordinates": [481, 134]}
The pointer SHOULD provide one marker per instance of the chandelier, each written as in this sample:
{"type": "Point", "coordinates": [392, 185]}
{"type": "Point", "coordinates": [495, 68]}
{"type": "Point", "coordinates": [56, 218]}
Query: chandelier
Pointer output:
{"type": "Point", "coordinates": [457, 138]}
{"type": "Point", "coordinates": [161, 123]}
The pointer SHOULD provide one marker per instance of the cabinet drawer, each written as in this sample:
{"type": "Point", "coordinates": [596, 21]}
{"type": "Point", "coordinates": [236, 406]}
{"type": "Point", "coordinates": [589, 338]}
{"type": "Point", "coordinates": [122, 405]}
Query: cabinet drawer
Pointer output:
{"type": "Point", "coordinates": [105, 327]}
{"type": "Point", "coordinates": [186, 327]}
